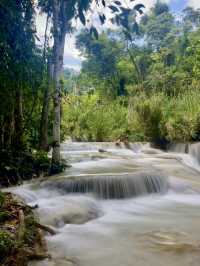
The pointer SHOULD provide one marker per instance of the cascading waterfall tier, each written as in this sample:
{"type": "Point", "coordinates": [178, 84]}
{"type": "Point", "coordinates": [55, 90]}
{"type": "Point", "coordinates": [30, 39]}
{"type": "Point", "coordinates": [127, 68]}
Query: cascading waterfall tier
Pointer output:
{"type": "Point", "coordinates": [192, 149]}
{"type": "Point", "coordinates": [70, 147]}
{"type": "Point", "coordinates": [113, 186]}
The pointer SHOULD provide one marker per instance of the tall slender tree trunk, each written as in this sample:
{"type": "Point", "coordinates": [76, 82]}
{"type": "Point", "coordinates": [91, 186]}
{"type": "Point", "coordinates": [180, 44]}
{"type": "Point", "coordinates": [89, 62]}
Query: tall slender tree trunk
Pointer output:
{"type": "Point", "coordinates": [58, 51]}
{"type": "Point", "coordinates": [47, 77]}
{"type": "Point", "coordinates": [2, 130]}
{"type": "Point", "coordinates": [9, 129]}
{"type": "Point", "coordinates": [44, 145]}
{"type": "Point", "coordinates": [18, 140]}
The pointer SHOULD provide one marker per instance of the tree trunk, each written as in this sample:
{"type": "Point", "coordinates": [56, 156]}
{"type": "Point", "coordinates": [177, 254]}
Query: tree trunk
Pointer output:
{"type": "Point", "coordinates": [9, 125]}
{"type": "Point", "coordinates": [45, 110]}
{"type": "Point", "coordinates": [58, 51]}
{"type": "Point", "coordinates": [2, 132]}
{"type": "Point", "coordinates": [18, 140]}
{"type": "Point", "coordinates": [7, 129]}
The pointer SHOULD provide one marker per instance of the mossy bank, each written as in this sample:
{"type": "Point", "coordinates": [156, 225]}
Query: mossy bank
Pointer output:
{"type": "Point", "coordinates": [21, 238]}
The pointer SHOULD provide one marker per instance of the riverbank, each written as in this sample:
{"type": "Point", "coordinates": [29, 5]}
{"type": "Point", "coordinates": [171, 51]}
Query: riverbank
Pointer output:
{"type": "Point", "coordinates": [21, 237]}
{"type": "Point", "coordinates": [18, 166]}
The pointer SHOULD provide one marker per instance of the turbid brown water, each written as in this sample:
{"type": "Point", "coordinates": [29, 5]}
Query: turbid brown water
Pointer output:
{"type": "Point", "coordinates": [133, 206]}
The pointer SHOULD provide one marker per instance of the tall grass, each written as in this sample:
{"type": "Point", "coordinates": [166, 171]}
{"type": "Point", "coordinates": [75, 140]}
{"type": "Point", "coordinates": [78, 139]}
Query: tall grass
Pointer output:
{"type": "Point", "coordinates": [90, 118]}
{"type": "Point", "coordinates": [182, 116]}
{"type": "Point", "coordinates": [139, 118]}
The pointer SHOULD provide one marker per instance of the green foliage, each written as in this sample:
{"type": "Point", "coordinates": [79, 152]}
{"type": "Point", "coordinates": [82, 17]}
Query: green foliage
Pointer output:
{"type": "Point", "coordinates": [159, 71]}
{"type": "Point", "coordinates": [148, 112]}
{"type": "Point", "coordinates": [30, 233]}
{"type": "Point", "coordinates": [16, 166]}
{"type": "Point", "coordinates": [6, 243]}
{"type": "Point", "coordinates": [191, 18]}
{"type": "Point", "coordinates": [157, 118]}
{"type": "Point", "coordinates": [20, 74]}
{"type": "Point", "coordinates": [4, 215]}
{"type": "Point", "coordinates": [158, 27]}
{"type": "Point", "coordinates": [2, 199]}
{"type": "Point", "coordinates": [13, 242]}
{"type": "Point", "coordinates": [103, 55]}
{"type": "Point", "coordinates": [137, 83]}
{"type": "Point", "coordinates": [58, 168]}
{"type": "Point", "coordinates": [163, 118]}
{"type": "Point", "coordinates": [94, 119]}
{"type": "Point", "coordinates": [182, 117]}
{"type": "Point", "coordinates": [42, 161]}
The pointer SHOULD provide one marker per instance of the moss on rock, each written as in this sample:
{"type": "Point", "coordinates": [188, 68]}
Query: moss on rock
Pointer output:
{"type": "Point", "coordinates": [20, 238]}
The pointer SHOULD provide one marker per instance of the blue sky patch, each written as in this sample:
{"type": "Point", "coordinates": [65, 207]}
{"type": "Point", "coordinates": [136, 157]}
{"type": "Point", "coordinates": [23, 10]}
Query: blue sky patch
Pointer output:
{"type": "Point", "coordinates": [178, 5]}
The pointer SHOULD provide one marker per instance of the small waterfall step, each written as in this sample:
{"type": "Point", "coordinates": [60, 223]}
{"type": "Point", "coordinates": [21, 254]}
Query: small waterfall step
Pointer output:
{"type": "Point", "coordinates": [112, 186]}
{"type": "Point", "coordinates": [192, 149]}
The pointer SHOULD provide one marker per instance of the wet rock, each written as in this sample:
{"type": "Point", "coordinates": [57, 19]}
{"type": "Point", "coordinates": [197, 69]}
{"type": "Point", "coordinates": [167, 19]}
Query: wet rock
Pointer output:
{"type": "Point", "coordinates": [66, 210]}
{"type": "Point", "coordinates": [151, 151]}
{"type": "Point", "coordinates": [102, 150]}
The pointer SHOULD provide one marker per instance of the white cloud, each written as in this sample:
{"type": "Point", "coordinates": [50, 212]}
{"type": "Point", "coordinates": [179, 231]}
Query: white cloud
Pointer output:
{"type": "Point", "coordinates": [194, 3]}
{"type": "Point", "coordinates": [70, 48]}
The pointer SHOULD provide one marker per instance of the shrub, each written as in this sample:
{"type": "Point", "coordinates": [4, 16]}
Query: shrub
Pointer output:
{"type": "Point", "coordinates": [149, 115]}
{"type": "Point", "coordinates": [157, 117]}
{"type": "Point", "coordinates": [91, 118]}
{"type": "Point", "coordinates": [2, 199]}
{"type": "Point", "coordinates": [6, 243]}
{"type": "Point", "coordinates": [16, 166]}
{"type": "Point", "coordinates": [4, 215]}
{"type": "Point", "coordinates": [181, 116]}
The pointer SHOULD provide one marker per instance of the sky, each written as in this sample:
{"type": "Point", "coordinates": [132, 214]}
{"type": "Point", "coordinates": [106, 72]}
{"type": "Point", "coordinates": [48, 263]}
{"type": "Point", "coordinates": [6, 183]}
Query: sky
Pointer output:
{"type": "Point", "coordinates": [72, 57]}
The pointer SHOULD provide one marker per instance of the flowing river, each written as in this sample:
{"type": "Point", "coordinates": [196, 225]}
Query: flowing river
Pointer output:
{"type": "Point", "coordinates": [121, 205]}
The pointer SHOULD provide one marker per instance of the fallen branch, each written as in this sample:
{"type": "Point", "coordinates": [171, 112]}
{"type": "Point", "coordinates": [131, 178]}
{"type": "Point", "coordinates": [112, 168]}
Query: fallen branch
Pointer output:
{"type": "Point", "coordinates": [32, 255]}
{"type": "Point", "coordinates": [46, 228]}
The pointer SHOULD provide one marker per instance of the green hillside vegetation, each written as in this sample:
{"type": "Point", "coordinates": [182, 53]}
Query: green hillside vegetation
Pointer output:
{"type": "Point", "coordinates": [139, 87]}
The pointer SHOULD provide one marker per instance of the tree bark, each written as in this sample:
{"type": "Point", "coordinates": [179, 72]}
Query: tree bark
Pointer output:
{"type": "Point", "coordinates": [9, 124]}
{"type": "Point", "coordinates": [45, 110]}
{"type": "Point", "coordinates": [1, 132]}
{"type": "Point", "coordinates": [18, 140]}
{"type": "Point", "coordinates": [59, 26]}
{"type": "Point", "coordinates": [47, 77]}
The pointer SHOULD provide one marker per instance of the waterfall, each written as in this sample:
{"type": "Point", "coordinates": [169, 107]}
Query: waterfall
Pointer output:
{"type": "Point", "coordinates": [179, 147]}
{"type": "Point", "coordinates": [95, 146]}
{"type": "Point", "coordinates": [192, 149]}
{"type": "Point", "coordinates": [113, 186]}
{"type": "Point", "coordinates": [125, 230]}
